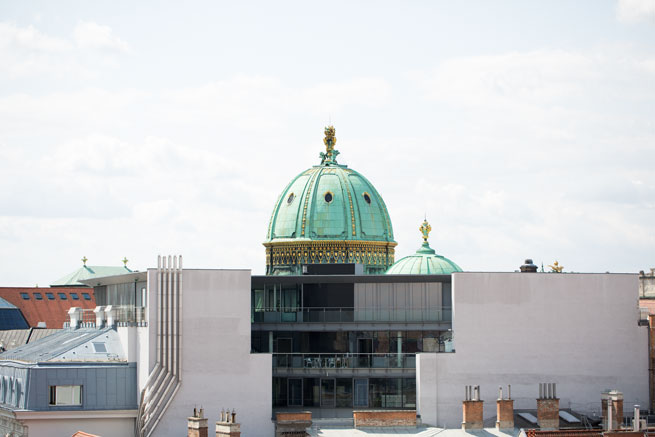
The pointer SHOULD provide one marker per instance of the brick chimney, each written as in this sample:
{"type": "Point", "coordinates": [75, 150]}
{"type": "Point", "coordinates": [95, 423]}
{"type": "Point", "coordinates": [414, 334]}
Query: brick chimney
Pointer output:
{"type": "Point", "coordinates": [472, 408]}
{"type": "Point", "coordinates": [227, 426]}
{"type": "Point", "coordinates": [612, 406]}
{"type": "Point", "coordinates": [505, 410]}
{"type": "Point", "coordinates": [548, 406]}
{"type": "Point", "coordinates": [197, 424]}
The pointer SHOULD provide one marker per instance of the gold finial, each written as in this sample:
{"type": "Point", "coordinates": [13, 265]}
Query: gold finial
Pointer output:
{"type": "Point", "coordinates": [425, 229]}
{"type": "Point", "coordinates": [125, 260]}
{"type": "Point", "coordinates": [84, 260]}
{"type": "Point", "coordinates": [330, 140]}
{"type": "Point", "coordinates": [556, 268]}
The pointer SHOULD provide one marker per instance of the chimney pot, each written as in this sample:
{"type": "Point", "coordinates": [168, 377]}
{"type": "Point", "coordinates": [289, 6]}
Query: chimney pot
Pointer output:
{"type": "Point", "coordinates": [100, 316]}
{"type": "Point", "coordinates": [504, 413]}
{"type": "Point", "coordinates": [547, 407]}
{"type": "Point", "coordinates": [197, 425]}
{"type": "Point", "coordinates": [472, 409]}
{"type": "Point", "coordinates": [75, 315]}
{"type": "Point", "coordinates": [612, 408]}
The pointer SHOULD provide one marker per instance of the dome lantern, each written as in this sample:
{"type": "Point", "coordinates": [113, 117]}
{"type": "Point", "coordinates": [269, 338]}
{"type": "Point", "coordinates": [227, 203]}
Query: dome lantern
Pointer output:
{"type": "Point", "coordinates": [425, 261]}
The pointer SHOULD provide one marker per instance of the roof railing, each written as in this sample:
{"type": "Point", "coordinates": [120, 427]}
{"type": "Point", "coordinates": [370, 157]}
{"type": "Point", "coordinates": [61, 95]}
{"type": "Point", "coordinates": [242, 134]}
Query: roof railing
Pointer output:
{"type": "Point", "coordinates": [298, 314]}
{"type": "Point", "coordinates": [344, 361]}
{"type": "Point", "coordinates": [124, 315]}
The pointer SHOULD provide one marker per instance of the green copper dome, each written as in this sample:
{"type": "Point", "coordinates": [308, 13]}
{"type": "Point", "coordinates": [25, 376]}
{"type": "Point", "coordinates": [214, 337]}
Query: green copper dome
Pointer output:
{"type": "Point", "coordinates": [329, 214]}
{"type": "Point", "coordinates": [425, 261]}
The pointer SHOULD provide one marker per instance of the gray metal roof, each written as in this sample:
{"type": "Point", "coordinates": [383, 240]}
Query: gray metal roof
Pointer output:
{"type": "Point", "coordinates": [13, 338]}
{"type": "Point", "coordinates": [53, 345]}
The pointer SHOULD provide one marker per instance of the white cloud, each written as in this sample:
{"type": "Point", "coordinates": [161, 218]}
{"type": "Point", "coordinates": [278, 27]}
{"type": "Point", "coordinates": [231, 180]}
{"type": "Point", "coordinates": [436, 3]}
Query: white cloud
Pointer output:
{"type": "Point", "coordinates": [27, 52]}
{"type": "Point", "coordinates": [29, 38]}
{"type": "Point", "coordinates": [90, 35]}
{"type": "Point", "coordinates": [632, 11]}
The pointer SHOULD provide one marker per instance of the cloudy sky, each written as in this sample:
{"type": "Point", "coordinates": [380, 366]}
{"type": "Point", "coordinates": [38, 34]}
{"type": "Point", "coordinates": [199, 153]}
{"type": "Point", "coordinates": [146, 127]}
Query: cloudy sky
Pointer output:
{"type": "Point", "coordinates": [522, 129]}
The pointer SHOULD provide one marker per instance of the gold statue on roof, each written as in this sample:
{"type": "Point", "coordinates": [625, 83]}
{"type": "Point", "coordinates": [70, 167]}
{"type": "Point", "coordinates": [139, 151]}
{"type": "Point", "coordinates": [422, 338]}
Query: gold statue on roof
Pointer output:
{"type": "Point", "coordinates": [425, 229]}
{"type": "Point", "coordinates": [330, 140]}
{"type": "Point", "coordinates": [84, 260]}
{"type": "Point", "coordinates": [125, 260]}
{"type": "Point", "coordinates": [556, 268]}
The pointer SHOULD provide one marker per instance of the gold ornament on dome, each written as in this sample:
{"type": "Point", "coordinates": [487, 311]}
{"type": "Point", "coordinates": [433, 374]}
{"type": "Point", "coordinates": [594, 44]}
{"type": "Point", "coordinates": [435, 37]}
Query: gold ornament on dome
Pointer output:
{"type": "Point", "coordinates": [425, 229]}
{"type": "Point", "coordinates": [330, 140]}
{"type": "Point", "coordinates": [556, 268]}
{"type": "Point", "coordinates": [329, 251]}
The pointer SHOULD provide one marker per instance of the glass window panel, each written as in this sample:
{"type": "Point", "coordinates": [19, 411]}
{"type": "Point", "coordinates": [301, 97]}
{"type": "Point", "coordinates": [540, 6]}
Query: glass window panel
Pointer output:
{"type": "Point", "coordinates": [50, 296]}
{"type": "Point", "coordinates": [376, 392]}
{"type": "Point", "coordinates": [86, 296]}
{"type": "Point", "coordinates": [327, 392]}
{"type": "Point", "coordinates": [412, 342]}
{"type": "Point", "coordinates": [409, 393]}
{"type": "Point", "coordinates": [38, 296]}
{"type": "Point", "coordinates": [74, 296]}
{"type": "Point", "coordinates": [280, 392]}
{"type": "Point", "coordinates": [394, 393]}
{"type": "Point", "coordinates": [344, 393]}
{"type": "Point", "coordinates": [66, 395]}
{"type": "Point", "coordinates": [311, 389]}
{"type": "Point", "coordinates": [361, 393]}
{"type": "Point", "coordinates": [295, 392]}
{"type": "Point", "coordinates": [25, 296]}
{"type": "Point", "coordinates": [62, 296]}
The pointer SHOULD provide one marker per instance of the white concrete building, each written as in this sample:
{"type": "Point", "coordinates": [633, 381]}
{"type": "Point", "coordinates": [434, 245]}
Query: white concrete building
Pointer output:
{"type": "Point", "coordinates": [177, 338]}
{"type": "Point", "coordinates": [577, 330]}
{"type": "Point", "coordinates": [195, 350]}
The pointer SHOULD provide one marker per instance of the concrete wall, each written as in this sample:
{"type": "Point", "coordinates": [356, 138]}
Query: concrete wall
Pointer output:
{"type": "Point", "coordinates": [218, 370]}
{"type": "Point", "coordinates": [577, 330]}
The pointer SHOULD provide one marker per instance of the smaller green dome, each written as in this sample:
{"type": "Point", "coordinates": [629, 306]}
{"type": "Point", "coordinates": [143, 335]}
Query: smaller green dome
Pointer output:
{"type": "Point", "coordinates": [425, 261]}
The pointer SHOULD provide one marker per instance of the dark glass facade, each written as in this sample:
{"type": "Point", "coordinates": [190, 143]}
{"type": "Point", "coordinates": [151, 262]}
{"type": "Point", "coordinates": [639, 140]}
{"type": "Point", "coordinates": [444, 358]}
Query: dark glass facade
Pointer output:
{"type": "Point", "coordinates": [349, 341]}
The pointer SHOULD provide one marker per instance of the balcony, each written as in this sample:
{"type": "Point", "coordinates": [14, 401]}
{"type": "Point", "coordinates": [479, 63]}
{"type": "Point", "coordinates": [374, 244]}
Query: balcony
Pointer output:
{"type": "Point", "coordinates": [350, 315]}
{"type": "Point", "coordinates": [343, 361]}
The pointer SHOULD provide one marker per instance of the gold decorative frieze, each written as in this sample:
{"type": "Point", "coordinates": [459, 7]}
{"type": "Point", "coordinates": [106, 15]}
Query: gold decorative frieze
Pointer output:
{"type": "Point", "coordinates": [294, 253]}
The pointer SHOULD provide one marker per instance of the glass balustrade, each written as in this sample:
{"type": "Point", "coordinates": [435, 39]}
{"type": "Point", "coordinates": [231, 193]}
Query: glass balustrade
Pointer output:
{"type": "Point", "coordinates": [344, 361]}
{"type": "Point", "coordinates": [350, 314]}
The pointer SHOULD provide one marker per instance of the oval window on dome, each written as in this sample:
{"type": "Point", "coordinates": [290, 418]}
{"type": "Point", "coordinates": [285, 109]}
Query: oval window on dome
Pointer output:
{"type": "Point", "coordinates": [290, 198]}
{"type": "Point", "coordinates": [328, 197]}
{"type": "Point", "coordinates": [367, 197]}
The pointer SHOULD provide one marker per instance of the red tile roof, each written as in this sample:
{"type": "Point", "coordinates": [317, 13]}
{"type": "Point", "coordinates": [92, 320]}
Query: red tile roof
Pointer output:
{"type": "Point", "coordinates": [54, 312]}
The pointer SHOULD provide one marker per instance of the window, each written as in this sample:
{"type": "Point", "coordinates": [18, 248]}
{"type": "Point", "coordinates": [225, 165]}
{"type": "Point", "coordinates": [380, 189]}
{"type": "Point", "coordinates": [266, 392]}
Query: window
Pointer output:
{"type": "Point", "coordinates": [65, 395]}
{"type": "Point", "coordinates": [74, 296]}
{"type": "Point", "coordinates": [50, 296]}
{"type": "Point", "coordinates": [62, 296]}
{"type": "Point", "coordinates": [99, 347]}
{"type": "Point", "coordinates": [328, 197]}
{"type": "Point", "coordinates": [86, 296]}
{"type": "Point", "coordinates": [3, 389]}
{"type": "Point", "coordinates": [290, 198]}
{"type": "Point", "coordinates": [25, 296]}
{"type": "Point", "coordinates": [367, 197]}
{"type": "Point", "coordinates": [38, 296]}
